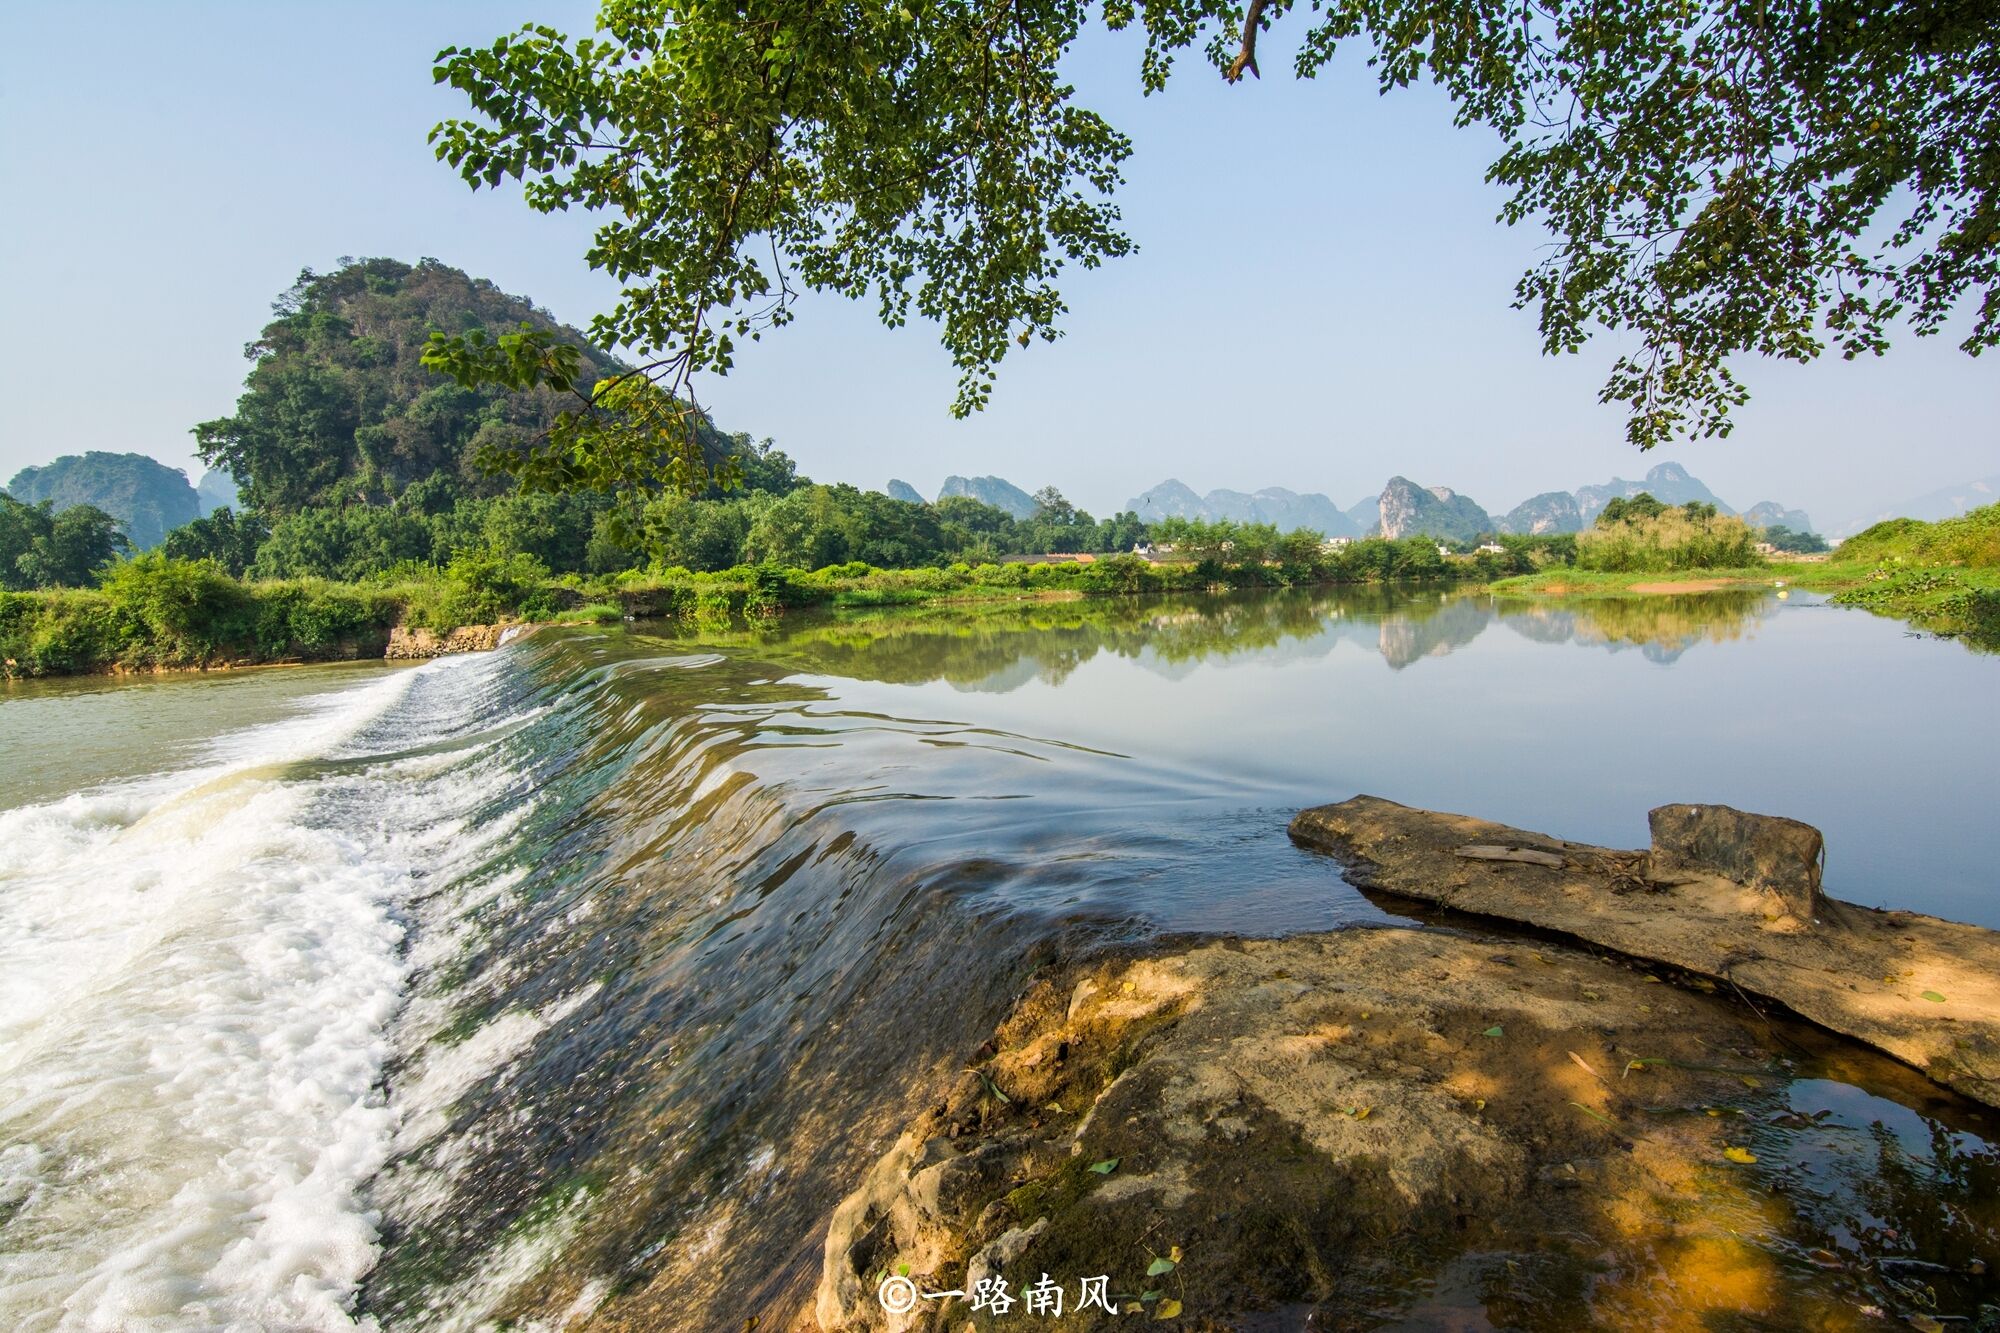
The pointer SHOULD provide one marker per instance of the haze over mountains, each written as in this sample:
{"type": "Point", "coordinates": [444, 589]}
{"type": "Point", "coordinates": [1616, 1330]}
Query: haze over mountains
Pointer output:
{"type": "Point", "coordinates": [1949, 502]}
{"type": "Point", "coordinates": [1404, 507]}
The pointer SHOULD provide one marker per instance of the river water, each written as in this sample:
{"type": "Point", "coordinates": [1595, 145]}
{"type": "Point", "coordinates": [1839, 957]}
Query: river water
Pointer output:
{"type": "Point", "coordinates": [583, 977]}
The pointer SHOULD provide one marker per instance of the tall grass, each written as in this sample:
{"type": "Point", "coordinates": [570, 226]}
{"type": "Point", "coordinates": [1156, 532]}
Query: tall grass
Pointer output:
{"type": "Point", "coordinates": [1671, 540]}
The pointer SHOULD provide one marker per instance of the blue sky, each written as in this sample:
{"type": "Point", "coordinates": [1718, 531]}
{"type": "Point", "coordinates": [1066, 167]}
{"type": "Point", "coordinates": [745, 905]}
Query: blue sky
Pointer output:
{"type": "Point", "coordinates": [1321, 297]}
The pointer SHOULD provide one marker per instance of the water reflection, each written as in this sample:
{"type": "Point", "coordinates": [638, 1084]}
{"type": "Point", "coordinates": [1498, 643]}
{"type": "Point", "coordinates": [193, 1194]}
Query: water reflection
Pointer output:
{"type": "Point", "coordinates": [997, 648]}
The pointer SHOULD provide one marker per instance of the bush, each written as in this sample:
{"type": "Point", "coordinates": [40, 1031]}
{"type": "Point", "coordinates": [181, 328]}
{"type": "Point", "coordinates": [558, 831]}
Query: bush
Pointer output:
{"type": "Point", "coordinates": [58, 633]}
{"type": "Point", "coordinates": [481, 587]}
{"type": "Point", "coordinates": [1672, 539]}
{"type": "Point", "coordinates": [185, 610]}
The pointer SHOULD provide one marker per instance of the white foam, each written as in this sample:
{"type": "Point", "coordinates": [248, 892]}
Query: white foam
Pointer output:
{"type": "Point", "coordinates": [198, 976]}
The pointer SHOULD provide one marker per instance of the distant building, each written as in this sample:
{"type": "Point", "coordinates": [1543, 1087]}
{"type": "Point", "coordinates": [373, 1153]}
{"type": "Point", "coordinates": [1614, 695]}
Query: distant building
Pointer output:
{"type": "Point", "coordinates": [1332, 544]}
{"type": "Point", "coordinates": [1765, 548]}
{"type": "Point", "coordinates": [1443, 549]}
{"type": "Point", "coordinates": [1495, 547]}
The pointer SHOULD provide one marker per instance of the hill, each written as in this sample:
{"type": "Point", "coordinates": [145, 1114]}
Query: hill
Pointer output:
{"type": "Point", "coordinates": [338, 407]}
{"type": "Point", "coordinates": [1669, 483]}
{"type": "Point", "coordinates": [1436, 511]}
{"type": "Point", "coordinates": [1549, 512]}
{"type": "Point", "coordinates": [1001, 494]}
{"type": "Point", "coordinates": [1771, 514]}
{"type": "Point", "coordinates": [902, 490]}
{"type": "Point", "coordinates": [1287, 510]}
{"type": "Point", "coordinates": [217, 490]}
{"type": "Point", "coordinates": [148, 498]}
{"type": "Point", "coordinates": [1970, 539]}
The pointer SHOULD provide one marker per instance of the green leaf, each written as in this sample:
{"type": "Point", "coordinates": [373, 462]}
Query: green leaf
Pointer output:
{"type": "Point", "coordinates": [1933, 997]}
{"type": "Point", "coordinates": [1495, 1031]}
{"type": "Point", "coordinates": [1159, 1266]}
{"type": "Point", "coordinates": [1105, 1167]}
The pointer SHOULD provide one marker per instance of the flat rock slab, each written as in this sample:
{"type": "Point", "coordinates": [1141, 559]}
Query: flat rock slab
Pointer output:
{"type": "Point", "coordinates": [1923, 990]}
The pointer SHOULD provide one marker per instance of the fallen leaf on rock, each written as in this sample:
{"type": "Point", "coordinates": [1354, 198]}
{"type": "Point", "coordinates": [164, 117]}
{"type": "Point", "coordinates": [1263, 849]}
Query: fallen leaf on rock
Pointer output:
{"type": "Point", "coordinates": [1107, 1166]}
{"type": "Point", "coordinates": [1495, 1031]}
{"type": "Point", "coordinates": [1933, 997]}
{"type": "Point", "coordinates": [1168, 1308]}
{"type": "Point", "coordinates": [1740, 1155]}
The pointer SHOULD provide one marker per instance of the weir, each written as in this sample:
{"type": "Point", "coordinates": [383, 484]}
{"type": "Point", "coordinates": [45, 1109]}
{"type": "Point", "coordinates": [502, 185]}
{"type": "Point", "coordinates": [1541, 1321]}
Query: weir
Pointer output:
{"type": "Point", "coordinates": [581, 980]}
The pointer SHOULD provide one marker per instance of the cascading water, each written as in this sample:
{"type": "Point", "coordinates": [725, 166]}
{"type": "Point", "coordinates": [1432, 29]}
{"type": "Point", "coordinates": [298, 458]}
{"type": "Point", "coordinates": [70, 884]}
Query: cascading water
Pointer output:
{"type": "Point", "coordinates": [579, 980]}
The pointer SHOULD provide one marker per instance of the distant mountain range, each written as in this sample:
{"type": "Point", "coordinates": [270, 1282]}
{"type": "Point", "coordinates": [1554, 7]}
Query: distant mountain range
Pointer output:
{"type": "Point", "coordinates": [1274, 504]}
{"type": "Point", "coordinates": [1402, 508]}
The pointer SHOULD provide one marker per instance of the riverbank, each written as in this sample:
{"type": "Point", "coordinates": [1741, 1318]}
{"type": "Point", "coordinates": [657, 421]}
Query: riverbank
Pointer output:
{"type": "Point", "coordinates": [1955, 602]}
{"type": "Point", "coordinates": [158, 614]}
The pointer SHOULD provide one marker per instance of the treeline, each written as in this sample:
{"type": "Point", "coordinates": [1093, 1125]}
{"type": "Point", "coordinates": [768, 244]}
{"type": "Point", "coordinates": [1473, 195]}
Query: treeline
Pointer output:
{"type": "Point", "coordinates": [160, 610]}
{"type": "Point", "coordinates": [774, 517]}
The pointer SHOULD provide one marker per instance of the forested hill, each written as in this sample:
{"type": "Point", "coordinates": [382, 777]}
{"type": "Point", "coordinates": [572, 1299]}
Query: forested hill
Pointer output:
{"type": "Point", "coordinates": [148, 498]}
{"type": "Point", "coordinates": [339, 407]}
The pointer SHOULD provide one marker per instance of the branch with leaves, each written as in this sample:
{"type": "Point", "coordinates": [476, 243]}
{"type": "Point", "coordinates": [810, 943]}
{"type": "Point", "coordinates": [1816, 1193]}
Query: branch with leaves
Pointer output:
{"type": "Point", "coordinates": [1720, 179]}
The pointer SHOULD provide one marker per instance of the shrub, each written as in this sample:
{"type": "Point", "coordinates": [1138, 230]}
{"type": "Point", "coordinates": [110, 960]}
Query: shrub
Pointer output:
{"type": "Point", "coordinates": [185, 610]}
{"type": "Point", "coordinates": [481, 587]}
{"type": "Point", "coordinates": [1672, 539]}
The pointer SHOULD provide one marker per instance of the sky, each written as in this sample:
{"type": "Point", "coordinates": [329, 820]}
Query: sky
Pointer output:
{"type": "Point", "coordinates": [1321, 298]}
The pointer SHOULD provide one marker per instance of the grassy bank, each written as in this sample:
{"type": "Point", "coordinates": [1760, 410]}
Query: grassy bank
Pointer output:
{"type": "Point", "coordinates": [1942, 577]}
{"type": "Point", "coordinates": [157, 613]}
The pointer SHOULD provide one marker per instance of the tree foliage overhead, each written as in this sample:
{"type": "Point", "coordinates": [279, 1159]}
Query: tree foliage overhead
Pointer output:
{"type": "Point", "coordinates": [1719, 177]}
{"type": "Point", "coordinates": [339, 406]}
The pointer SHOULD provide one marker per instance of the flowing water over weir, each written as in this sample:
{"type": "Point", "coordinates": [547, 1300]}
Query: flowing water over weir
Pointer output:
{"type": "Point", "coordinates": [586, 976]}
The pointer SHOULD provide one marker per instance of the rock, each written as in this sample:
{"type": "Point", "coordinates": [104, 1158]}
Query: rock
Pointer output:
{"type": "Point", "coordinates": [1333, 1119]}
{"type": "Point", "coordinates": [1768, 852]}
{"type": "Point", "coordinates": [408, 645]}
{"type": "Point", "coordinates": [1922, 990]}
{"type": "Point", "coordinates": [1525, 855]}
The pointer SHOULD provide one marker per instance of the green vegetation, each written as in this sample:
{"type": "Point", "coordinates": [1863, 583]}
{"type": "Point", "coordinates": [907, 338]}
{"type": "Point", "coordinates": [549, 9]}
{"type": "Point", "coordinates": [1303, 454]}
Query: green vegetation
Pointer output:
{"type": "Point", "coordinates": [1642, 534]}
{"type": "Point", "coordinates": [1971, 540]}
{"type": "Point", "coordinates": [146, 497]}
{"type": "Point", "coordinates": [1943, 577]}
{"type": "Point", "coordinates": [1710, 189]}
{"type": "Point", "coordinates": [160, 611]}
{"type": "Point", "coordinates": [40, 548]}
{"type": "Point", "coordinates": [339, 410]}
{"type": "Point", "coordinates": [1783, 539]}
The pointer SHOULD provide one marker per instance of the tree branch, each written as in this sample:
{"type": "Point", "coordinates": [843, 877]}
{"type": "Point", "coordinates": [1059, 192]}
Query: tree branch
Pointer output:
{"type": "Point", "coordinates": [1246, 58]}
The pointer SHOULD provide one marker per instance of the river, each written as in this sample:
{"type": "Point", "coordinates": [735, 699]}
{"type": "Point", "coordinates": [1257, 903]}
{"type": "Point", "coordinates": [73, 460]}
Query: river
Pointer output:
{"type": "Point", "coordinates": [514, 984]}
